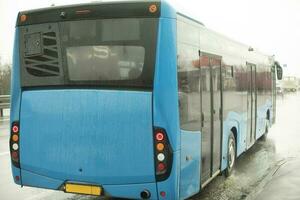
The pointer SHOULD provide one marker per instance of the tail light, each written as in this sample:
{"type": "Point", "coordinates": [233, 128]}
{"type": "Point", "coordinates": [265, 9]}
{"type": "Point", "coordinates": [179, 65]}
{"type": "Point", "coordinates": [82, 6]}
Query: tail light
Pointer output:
{"type": "Point", "coordinates": [14, 144]}
{"type": "Point", "coordinates": [163, 154]}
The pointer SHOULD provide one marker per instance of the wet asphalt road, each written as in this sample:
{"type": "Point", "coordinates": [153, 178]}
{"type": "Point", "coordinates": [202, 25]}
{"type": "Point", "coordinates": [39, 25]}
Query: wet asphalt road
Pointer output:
{"type": "Point", "coordinates": [260, 173]}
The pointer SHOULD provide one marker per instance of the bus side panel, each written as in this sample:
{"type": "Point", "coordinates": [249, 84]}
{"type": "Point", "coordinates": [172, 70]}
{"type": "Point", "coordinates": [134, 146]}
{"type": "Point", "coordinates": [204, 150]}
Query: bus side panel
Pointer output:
{"type": "Point", "coordinates": [165, 93]}
{"type": "Point", "coordinates": [264, 98]}
{"type": "Point", "coordinates": [15, 94]}
{"type": "Point", "coordinates": [235, 93]}
{"type": "Point", "coordinates": [261, 117]}
{"type": "Point", "coordinates": [190, 163]}
{"type": "Point", "coordinates": [165, 100]}
{"type": "Point", "coordinates": [238, 121]}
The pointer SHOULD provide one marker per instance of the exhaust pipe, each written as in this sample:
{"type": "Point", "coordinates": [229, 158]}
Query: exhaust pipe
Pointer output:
{"type": "Point", "coordinates": [145, 194]}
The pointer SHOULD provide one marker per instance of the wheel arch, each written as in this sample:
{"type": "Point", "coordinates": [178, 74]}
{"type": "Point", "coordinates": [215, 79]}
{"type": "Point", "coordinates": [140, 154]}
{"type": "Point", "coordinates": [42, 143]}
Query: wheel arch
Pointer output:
{"type": "Point", "coordinates": [234, 131]}
{"type": "Point", "coordinates": [234, 127]}
{"type": "Point", "coordinates": [268, 114]}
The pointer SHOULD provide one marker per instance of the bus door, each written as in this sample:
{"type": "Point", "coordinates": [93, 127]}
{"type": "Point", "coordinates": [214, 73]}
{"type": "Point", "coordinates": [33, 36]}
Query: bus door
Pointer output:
{"type": "Point", "coordinates": [251, 104]}
{"type": "Point", "coordinates": [211, 115]}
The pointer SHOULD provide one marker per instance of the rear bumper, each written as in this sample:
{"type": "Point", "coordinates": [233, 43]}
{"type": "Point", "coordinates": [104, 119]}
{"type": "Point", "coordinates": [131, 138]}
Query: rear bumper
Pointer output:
{"type": "Point", "coordinates": [130, 191]}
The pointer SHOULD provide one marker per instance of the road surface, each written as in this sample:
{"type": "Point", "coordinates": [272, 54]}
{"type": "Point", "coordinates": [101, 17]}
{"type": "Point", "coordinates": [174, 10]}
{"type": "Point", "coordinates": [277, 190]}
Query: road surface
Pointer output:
{"type": "Point", "coordinates": [260, 173]}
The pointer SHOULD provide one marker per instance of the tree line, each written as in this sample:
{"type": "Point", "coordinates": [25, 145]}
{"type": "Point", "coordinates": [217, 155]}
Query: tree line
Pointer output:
{"type": "Point", "coordinates": [5, 77]}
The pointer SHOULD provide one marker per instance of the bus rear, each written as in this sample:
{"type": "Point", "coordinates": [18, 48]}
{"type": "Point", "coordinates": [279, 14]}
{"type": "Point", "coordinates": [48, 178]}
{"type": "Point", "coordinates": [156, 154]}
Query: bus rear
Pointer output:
{"type": "Point", "coordinates": [82, 116]}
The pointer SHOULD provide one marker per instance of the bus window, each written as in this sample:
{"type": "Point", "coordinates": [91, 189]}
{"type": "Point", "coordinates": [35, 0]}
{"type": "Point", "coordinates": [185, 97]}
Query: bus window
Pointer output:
{"type": "Point", "coordinates": [189, 88]}
{"type": "Point", "coordinates": [89, 53]}
{"type": "Point", "coordinates": [105, 62]}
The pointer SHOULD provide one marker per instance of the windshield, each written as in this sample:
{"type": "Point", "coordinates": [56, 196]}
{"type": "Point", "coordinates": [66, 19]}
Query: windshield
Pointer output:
{"type": "Point", "coordinates": [103, 52]}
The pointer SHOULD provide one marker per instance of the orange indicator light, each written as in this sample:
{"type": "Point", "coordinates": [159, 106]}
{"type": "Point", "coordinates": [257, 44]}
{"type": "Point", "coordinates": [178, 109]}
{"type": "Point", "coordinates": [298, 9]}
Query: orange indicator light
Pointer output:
{"type": "Point", "coordinates": [153, 8]}
{"type": "Point", "coordinates": [82, 12]}
{"type": "Point", "coordinates": [160, 146]}
{"type": "Point", "coordinates": [15, 138]}
{"type": "Point", "coordinates": [23, 18]}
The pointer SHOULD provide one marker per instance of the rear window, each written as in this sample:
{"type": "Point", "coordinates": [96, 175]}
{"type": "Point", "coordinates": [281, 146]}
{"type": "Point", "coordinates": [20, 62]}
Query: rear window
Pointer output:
{"type": "Point", "coordinates": [105, 63]}
{"type": "Point", "coordinates": [103, 52]}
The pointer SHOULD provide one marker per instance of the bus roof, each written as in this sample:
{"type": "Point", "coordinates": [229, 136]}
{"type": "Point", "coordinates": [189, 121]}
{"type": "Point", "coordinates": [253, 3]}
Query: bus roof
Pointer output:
{"type": "Point", "coordinates": [194, 20]}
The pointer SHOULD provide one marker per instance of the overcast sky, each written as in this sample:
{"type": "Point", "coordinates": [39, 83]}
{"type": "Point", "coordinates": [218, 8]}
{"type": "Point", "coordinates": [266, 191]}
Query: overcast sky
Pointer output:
{"type": "Point", "coordinates": [272, 26]}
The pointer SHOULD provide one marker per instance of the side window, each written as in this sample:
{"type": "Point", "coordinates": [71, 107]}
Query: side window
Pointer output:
{"type": "Point", "coordinates": [188, 77]}
{"type": "Point", "coordinates": [228, 80]}
{"type": "Point", "coordinates": [229, 72]}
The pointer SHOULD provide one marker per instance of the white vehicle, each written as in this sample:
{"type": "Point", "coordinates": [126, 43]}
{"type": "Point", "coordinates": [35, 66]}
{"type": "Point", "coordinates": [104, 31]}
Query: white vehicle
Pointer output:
{"type": "Point", "coordinates": [290, 83]}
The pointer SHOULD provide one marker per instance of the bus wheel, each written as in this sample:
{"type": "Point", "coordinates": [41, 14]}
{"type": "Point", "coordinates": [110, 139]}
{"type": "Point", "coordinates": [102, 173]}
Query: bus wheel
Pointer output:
{"type": "Point", "coordinates": [264, 137]}
{"type": "Point", "coordinates": [231, 155]}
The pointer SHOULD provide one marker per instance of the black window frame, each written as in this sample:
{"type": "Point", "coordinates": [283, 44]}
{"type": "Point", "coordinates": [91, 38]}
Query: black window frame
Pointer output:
{"type": "Point", "coordinates": [149, 42]}
{"type": "Point", "coordinates": [96, 11]}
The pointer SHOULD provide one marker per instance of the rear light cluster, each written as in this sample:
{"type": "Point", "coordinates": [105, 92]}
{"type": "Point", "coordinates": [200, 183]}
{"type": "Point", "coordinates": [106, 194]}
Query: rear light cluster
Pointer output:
{"type": "Point", "coordinates": [14, 144]}
{"type": "Point", "coordinates": [163, 154]}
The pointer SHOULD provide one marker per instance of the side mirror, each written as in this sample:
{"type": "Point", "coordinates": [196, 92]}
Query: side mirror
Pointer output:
{"type": "Point", "coordinates": [279, 71]}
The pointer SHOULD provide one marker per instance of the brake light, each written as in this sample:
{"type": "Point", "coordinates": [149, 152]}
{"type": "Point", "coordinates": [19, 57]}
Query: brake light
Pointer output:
{"type": "Point", "coordinates": [161, 167]}
{"type": "Point", "coordinates": [14, 155]}
{"type": "Point", "coordinates": [159, 136]}
{"type": "Point", "coordinates": [163, 154]}
{"type": "Point", "coordinates": [14, 144]}
{"type": "Point", "coordinates": [15, 129]}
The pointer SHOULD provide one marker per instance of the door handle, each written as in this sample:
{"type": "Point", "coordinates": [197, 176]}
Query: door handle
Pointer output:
{"type": "Point", "coordinates": [202, 120]}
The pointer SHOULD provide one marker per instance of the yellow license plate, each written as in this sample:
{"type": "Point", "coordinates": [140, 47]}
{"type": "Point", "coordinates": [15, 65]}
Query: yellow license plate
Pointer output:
{"type": "Point", "coordinates": [83, 189]}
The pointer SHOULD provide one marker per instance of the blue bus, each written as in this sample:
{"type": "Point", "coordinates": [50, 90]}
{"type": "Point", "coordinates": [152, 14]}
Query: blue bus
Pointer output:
{"type": "Point", "coordinates": [132, 100]}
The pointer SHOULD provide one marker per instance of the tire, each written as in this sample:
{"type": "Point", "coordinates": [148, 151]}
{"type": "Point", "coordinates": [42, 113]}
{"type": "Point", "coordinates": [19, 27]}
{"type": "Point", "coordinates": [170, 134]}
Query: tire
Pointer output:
{"type": "Point", "coordinates": [231, 154]}
{"type": "Point", "coordinates": [265, 135]}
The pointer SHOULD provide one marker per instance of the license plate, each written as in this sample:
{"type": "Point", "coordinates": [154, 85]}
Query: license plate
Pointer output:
{"type": "Point", "coordinates": [83, 189]}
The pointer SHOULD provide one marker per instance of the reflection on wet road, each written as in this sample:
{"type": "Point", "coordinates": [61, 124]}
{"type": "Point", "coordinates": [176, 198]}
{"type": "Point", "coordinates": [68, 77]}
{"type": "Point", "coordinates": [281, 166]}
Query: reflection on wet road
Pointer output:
{"type": "Point", "coordinates": [258, 165]}
{"type": "Point", "coordinates": [253, 171]}
{"type": "Point", "coordinates": [251, 168]}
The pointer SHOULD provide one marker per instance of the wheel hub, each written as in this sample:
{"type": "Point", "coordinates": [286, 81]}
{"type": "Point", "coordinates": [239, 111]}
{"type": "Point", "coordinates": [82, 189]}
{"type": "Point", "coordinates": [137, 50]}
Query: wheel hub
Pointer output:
{"type": "Point", "coordinates": [231, 154]}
